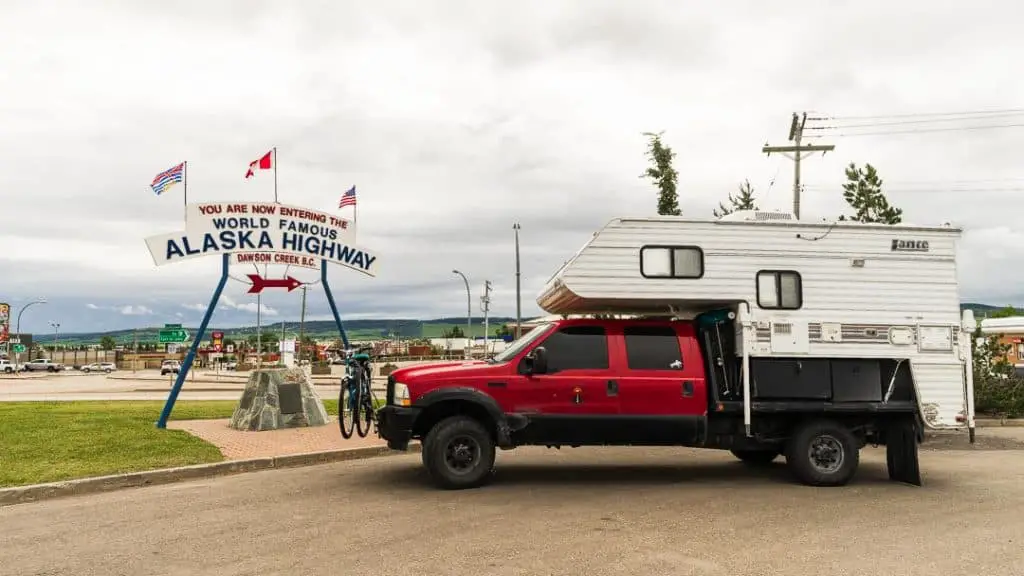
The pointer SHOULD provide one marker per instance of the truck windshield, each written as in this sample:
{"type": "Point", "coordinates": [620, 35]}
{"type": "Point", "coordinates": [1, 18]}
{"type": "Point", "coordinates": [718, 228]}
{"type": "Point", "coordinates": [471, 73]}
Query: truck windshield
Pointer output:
{"type": "Point", "coordinates": [517, 346]}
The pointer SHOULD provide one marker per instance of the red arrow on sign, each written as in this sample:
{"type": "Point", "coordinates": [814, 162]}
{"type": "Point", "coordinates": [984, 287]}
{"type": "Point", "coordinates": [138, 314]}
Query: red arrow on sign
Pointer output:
{"type": "Point", "coordinates": [259, 283]}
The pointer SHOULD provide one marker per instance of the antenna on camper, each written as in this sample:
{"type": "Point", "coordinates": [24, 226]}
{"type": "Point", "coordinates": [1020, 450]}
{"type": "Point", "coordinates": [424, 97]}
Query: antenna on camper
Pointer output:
{"type": "Point", "coordinates": [796, 133]}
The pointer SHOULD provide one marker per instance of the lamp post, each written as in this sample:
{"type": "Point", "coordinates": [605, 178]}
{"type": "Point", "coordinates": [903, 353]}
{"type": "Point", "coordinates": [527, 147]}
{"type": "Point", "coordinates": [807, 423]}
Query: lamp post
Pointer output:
{"type": "Point", "coordinates": [56, 327]}
{"type": "Point", "coordinates": [17, 355]}
{"type": "Point", "coordinates": [469, 310]}
{"type": "Point", "coordinates": [519, 307]}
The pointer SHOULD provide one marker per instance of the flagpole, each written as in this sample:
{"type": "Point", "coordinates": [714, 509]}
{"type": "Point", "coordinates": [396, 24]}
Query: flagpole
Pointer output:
{"type": "Point", "coordinates": [275, 175]}
{"type": "Point", "coordinates": [184, 181]}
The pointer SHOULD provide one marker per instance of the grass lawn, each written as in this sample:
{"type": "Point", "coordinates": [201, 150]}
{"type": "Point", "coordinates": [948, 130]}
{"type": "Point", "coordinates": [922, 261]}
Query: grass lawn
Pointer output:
{"type": "Point", "coordinates": [51, 441]}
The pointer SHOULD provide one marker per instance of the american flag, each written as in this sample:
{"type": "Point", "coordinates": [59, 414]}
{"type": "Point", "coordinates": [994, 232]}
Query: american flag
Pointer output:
{"type": "Point", "coordinates": [167, 178]}
{"type": "Point", "coordinates": [348, 198]}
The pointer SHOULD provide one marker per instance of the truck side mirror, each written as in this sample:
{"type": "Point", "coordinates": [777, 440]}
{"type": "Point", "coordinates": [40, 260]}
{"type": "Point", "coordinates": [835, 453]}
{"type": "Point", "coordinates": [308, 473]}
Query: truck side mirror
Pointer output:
{"type": "Point", "coordinates": [537, 361]}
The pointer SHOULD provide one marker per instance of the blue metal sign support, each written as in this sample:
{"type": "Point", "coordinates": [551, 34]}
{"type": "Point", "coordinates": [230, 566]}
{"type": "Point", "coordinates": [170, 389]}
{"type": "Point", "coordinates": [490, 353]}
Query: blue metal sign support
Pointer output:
{"type": "Point", "coordinates": [187, 364]}
{"type": "Point", "coordinates": [330, 300]}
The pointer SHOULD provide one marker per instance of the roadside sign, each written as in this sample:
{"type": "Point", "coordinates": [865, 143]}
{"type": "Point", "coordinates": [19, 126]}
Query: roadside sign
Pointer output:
{"type": "Point", "coordinates": [15, 340]}
{"type": "Point", "coordinates": [171, 326]}
{"type": "Point", "coordinates": [173, 335]}
{"type": "Point", "coordinates": [19, 348]}
{"type": "Point", "coordinates": [172, 348]}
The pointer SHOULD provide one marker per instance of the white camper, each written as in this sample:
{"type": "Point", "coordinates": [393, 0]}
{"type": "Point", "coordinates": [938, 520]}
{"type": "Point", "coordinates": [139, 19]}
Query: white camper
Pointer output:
{"type": "Point", "coordinates": [800, 290]}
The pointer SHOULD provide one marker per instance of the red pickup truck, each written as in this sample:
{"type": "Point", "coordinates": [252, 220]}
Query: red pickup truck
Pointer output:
{"type": "Point", "coordinates": [586, 382]}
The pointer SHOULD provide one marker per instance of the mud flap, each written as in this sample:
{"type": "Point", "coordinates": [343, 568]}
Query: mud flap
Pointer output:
{"type": "Point", "coordinates": [901, 453]}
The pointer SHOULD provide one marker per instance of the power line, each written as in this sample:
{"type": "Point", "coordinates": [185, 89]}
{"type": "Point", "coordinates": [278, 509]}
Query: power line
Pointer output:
{"type": "Point", "coordinates": [921, 114]}
{"type": "Point", "coordinates": [924, 130]}
{"type": "Point", "coordinates": [918, 121]}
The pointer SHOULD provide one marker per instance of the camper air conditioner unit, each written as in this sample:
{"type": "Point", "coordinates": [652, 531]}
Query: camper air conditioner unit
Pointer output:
{"type": "Point", "coordinates": [756, 216]}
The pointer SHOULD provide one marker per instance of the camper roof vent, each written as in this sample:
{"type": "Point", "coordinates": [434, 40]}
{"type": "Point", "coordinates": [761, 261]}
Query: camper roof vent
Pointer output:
{"type": "Point", "coordinates": [756, 216]}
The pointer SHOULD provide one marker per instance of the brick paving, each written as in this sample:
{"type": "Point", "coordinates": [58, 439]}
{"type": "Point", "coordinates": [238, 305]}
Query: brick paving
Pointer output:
{"type": "Point", "coordinates": [239, 445]}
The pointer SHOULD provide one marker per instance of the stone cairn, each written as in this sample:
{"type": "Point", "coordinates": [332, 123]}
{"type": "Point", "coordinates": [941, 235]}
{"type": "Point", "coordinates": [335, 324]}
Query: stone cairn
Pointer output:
{"type": "Point", "coordinates": [278, 398]}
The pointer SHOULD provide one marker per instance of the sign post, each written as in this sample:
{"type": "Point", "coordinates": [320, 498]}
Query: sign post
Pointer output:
{"type": "Point", "coordinates": [187, 364]}
{"type": "Point", "coordinates": [256, 233]}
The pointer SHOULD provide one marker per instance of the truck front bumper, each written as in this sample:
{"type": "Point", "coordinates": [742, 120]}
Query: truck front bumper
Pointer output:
{"type": "Point", "coordinates": [395, 425]}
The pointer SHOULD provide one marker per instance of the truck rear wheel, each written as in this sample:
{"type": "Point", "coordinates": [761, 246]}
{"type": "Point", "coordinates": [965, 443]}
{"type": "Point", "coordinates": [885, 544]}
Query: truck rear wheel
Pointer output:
{"type": "Point", "coordinates": [823, 453]}
{"type": "Point", "coordinates": [458, 453]}
{"type": "Point", "coordinates": [756, 457]}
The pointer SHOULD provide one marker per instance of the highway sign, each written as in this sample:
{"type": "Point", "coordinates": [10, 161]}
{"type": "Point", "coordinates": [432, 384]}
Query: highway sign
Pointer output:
{"type": "Point", "coordinates": [171, 326]}
{"type": "Point", "coordinates": [173, 335]}
{"type": "Point", "coordinates": [19, 348]}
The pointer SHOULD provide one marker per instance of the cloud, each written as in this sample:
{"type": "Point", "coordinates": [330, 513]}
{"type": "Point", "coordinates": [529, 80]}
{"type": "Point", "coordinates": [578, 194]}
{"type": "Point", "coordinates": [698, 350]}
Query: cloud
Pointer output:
{"type": "Point", "coordinates": [130, 310]}
{"type": "Point", "coordinates": [229, 303]}
{"type": "Point", "coordinates": [457, 119]}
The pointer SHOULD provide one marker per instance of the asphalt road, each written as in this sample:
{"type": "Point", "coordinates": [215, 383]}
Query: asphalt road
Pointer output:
{"type": "Point", "coordinates": [590, 511]}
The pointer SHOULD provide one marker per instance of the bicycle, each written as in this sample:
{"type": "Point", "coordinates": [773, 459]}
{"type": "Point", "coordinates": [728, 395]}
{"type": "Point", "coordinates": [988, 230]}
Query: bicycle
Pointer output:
{"type": "Point", "coordinates": [356, 399]}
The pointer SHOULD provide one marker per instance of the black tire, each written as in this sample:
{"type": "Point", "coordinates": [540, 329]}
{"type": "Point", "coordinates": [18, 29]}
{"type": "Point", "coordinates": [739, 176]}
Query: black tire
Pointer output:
{"type": "Point", "coordinates": [347, 425]}
{"type": "Point", "coordinates": [367, 417]}
{"type": "Point", "coordinates": [823, 453]}
{"type": "Point", "coordinates": [459, 453]}
{"type": "Point", "coordinates": [756, 457]}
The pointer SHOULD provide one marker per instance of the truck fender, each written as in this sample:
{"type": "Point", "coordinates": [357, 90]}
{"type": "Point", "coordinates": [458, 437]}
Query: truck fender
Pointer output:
{"type": "Point", "coordinates": [474, 396]}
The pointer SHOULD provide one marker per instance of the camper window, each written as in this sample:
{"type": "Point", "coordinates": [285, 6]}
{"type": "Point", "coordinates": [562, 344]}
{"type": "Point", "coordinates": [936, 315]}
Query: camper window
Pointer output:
{"type": "Point", "coordinates": [671, 262]}
{"type": "Point", "coordinates": [779, 290]}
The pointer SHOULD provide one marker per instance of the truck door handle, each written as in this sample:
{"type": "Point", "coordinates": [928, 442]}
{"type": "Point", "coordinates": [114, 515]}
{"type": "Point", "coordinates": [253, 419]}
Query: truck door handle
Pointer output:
{"type": "Point", "coordinates": [687, 388]}
{"type": "Point", "coordinates": [613, 388]}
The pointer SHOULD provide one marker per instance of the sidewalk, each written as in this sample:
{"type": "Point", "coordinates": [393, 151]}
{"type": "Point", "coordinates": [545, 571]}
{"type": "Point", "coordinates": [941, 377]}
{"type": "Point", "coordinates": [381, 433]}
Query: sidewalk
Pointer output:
{"type": "Point", "coordinates": [238, 445]}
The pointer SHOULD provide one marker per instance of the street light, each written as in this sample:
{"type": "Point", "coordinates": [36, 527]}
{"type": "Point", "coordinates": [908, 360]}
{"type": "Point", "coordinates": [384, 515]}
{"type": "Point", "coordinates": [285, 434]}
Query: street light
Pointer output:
{"type": "Point", "coordinates": [56, 327]}
{"type": "Point", "coordinates": [17, 355]}
{"type": "Point", "coordinates": [469, 310]}
{"type": "Point", "coordinates": [519, 308]}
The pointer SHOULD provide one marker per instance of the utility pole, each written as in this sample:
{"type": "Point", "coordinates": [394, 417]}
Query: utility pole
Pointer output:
{"type": "Point", "coordinates": [519, 302]}
{"type": "Point", "coordinates": [135, 348]}
{"type": "Point", "coordinates": [796, 132]}
{"type": "Point", "coordinates": [302, 323]}
{"type": "Point", "coordinates": [485, 306]}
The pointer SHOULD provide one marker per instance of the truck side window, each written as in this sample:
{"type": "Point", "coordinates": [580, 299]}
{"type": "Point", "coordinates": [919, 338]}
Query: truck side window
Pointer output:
{"type": "Point", "coordinates": [577, 348]}
{"type": "Point", "coordinates": [652, 348]}
{"type": "Point", "coordinates": [779, 290]}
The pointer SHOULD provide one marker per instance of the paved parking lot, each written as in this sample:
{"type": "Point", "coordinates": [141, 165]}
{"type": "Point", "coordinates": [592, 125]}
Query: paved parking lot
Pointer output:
{"type": "Point", "coordinates": [590, 511]}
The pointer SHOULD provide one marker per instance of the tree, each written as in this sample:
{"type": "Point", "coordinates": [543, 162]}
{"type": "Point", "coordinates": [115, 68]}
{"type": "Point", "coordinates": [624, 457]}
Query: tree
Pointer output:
{"type": "Point", "coordinates": [744, 201]}
{"type": "Point", "coordinates": [108, 343]}
{"type": "Point", "coordinates": [663, 174]}
{"type": "Point", "coordinates": [454, 332]}
{"type": "Point", "coordinates": [863, 192]}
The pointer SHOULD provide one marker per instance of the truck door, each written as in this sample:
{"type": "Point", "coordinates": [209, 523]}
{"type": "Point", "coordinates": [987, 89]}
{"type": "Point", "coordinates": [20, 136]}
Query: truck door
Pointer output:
{"type": "Point", "coordinates": [662, 392]}
{"type": "Point", "coordinates": [572, 400]}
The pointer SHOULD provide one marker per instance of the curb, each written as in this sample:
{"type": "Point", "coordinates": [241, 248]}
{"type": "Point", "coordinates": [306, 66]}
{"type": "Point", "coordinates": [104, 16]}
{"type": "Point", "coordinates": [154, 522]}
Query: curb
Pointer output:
{"type": "Point", "coordinates": [995, 423]}
{"type": "Point", "coordinates": [98, 484]}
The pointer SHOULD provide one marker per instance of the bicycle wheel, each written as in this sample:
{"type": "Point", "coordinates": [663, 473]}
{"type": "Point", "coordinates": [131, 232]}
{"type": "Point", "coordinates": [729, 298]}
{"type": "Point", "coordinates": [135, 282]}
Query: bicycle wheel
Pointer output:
{"type": "Point", "coordinates": [364, 417]}
{"type": "Point", "coordinates": [346, 413]}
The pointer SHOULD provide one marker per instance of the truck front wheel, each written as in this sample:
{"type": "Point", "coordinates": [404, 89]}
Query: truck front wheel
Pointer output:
{"type": "Point", "coordinates": [823, 453]}
{"type": "Point", "coordinates": [458, 453]}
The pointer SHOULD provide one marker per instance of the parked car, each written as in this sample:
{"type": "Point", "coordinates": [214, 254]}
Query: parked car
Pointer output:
{"type": "Point", "coordinates": [42, 364]}
{"type": "Point", "coordinates": [169, 366]}
{"type": "Point", "coordinates": [232, 365]}
{"type": "Point", "coordinates": [8, 367]}
{"type": "Point", "coordinates": [107, 367]}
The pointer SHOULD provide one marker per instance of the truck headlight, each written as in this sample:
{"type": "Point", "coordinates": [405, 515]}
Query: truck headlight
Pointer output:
{"type": "Point", "coordinates": [401, 395]}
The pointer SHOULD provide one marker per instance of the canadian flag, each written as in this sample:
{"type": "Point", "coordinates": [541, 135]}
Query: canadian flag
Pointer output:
{"type": "Point", "coordinates": [264, 163]}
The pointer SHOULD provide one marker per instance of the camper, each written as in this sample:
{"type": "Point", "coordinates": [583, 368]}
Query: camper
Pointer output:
{"type": "Point", "coordinates": [755, 333]}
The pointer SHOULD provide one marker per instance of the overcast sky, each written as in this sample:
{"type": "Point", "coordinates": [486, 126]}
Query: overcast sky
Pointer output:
{"type": "Point", "coordinates": [455, 119]}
